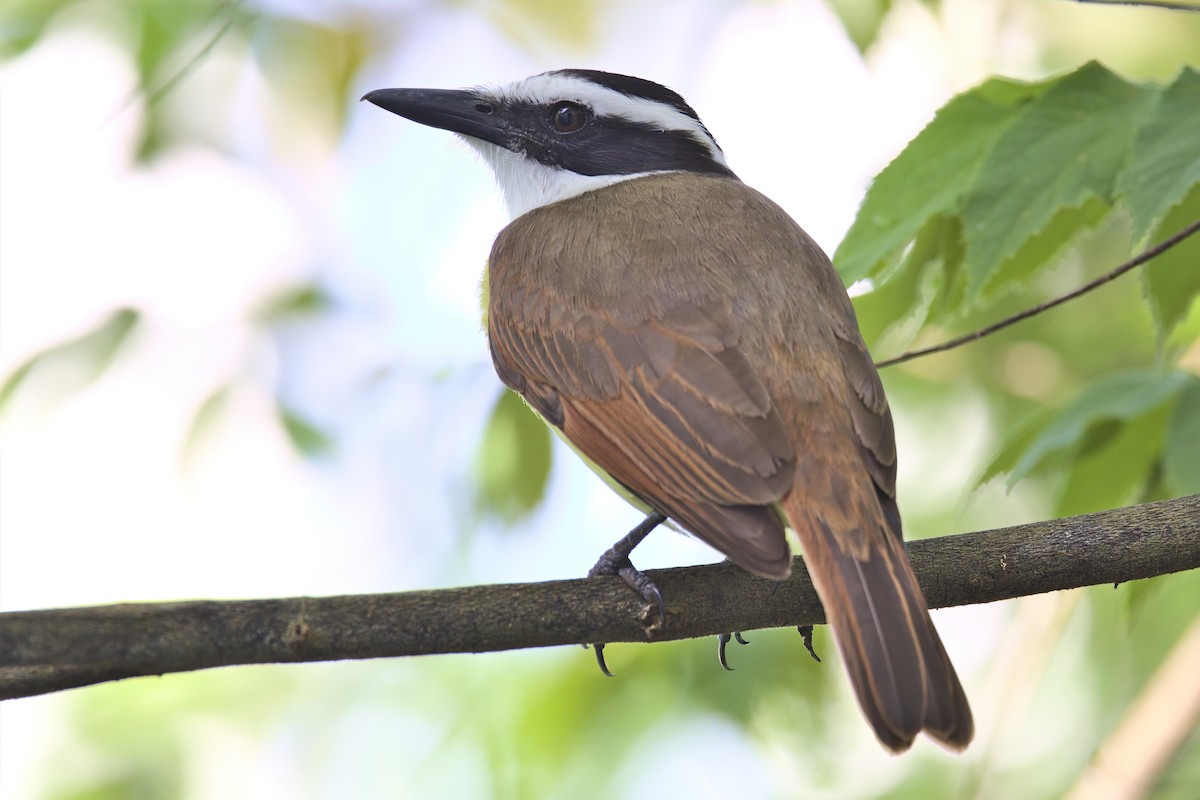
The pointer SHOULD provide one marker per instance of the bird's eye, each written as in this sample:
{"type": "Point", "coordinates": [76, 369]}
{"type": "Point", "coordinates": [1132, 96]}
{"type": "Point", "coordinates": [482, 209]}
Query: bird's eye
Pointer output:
{"type": "Point", "coordinates": [568, 117]}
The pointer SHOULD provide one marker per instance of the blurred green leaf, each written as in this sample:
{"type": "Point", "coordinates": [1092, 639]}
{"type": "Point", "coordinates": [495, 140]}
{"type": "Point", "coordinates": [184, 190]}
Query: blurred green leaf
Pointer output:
{"type": "Point", "coordinates": [1013, 448]}
{"type": "Point", "coordinates": [1158, 621]}
{"type": "Point", "coordinates": [69, 367]}
{"type": "Point", "coordinates": [174, 39]}
{"type": "Point", "coordinates": [1066, 148]}
{"type": "Point", "coordinates": [137, 781]}
{"type": "Point", "coordinates": [294, 302]}
{"type": "Point", "coordinates": [305, 436]}
{"type": "Point", "coordinates": [931, 175]}
{"type": "Point", "coordinates": [135, 740]}
{"type": "Point", "coordinates": [1086, 423]}
{"type": "Point", "coordinates": [1181, 460]}
{"type": "Point", "coordinates": [567, 23]}
{"type": "Point", "coordinates": [25, 22]}
{"type": "Point", "coordinates": [205, 419]}
{"type": "Point", "coordinates": [1114, 462]}
{"type": "Point", "coordinates": [512, 464]}
{"type": "Point", "coordinates": [1178, 781]}
{"type": "Point", "coordinates": [1133, 638]}
{"type": "Point", "coordinates": [1166, 156]}
{"type": "Point", "coordinates": [1172, 280]}
{"type": "Point", "coordinates": [313, 66]}
{"type": "Point", "coordinates": [861, 19]}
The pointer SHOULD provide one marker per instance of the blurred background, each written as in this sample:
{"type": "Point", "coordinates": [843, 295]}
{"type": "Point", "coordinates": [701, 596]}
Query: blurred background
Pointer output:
{"type": "Point", "coordinates": [240, 356]}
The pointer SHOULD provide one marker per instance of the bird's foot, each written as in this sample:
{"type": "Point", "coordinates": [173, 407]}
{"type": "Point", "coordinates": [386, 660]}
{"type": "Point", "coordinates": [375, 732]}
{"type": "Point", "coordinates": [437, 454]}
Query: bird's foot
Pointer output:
{"type": "Point", "coordinates": [637, 580]}
{"type": "Point", "coordinates": [615, 561]}
{"type": "Point", "coordinates": [723, 640]}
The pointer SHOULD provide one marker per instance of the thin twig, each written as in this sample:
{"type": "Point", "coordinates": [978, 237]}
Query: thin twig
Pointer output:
{"type": "Point", "coordinates": [187, 69]}
{"type": "Point", "coordinates": [1136, 261]}
{"type": "Point", "coordinates": [1147, 3]}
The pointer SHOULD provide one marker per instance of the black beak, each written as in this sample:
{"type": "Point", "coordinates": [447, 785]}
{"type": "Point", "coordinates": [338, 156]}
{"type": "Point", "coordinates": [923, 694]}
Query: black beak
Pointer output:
{"type": "Point", "coordinates": [458, 111]}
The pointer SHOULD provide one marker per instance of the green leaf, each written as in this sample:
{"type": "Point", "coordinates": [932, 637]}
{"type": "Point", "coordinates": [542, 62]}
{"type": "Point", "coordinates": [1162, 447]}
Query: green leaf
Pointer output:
{"type": "Point", "coordinates": [312, 65]}
{"type": "Point", "coordinates": [1181, 461]}
{"type": "Point", "coordinates": [1005, 461]}
{"type": "Point", "coordinates": [294, 302]}
{"type": "Point", "coordinates": [1065, 149]}
{"type": "Point", "coordinates": [1114, 462]}
{"type": "Point", "coordinates": [884, 308]}
{"type": "Point", "coordinates": [205, 419]}
{"type": "Point", "coordinates": [861, 19]}
{"type": "Point", "coordinates": [25, 23]}
{"type": "Point", "coordinates": [950, 292]}
{"type": "Point", "coordinates": [530, 22]}
{"type": "Point", "coordinates": [931, 175]}
{"type": "Point", "coordinates": [1085, 424]}
{"type": "Point", "coordinates": [1171, 281]}
{"type": "Point", "coordinates": [512, 464]}
{"type": "Point", "coordinates": [69, 367]}
{"type": "Point", "coordinates": [164, 31]}
{"type": "Point", "coordinates": [1166, 155]}
{"type": "Point", "coordinates": [1044, 247]}
{"type": "Point", "coordinates": [306, 437]}
{"type": "Point", "coordinates": [1180, 776]}
{"type": "Point", "coordinates": [903, 300]}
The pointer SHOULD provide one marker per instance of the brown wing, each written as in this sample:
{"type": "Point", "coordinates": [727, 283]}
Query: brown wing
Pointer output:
{"type": "Point", "coordinates": [668, 407]}
{"type": "Point", "coordinates": [871, 416]}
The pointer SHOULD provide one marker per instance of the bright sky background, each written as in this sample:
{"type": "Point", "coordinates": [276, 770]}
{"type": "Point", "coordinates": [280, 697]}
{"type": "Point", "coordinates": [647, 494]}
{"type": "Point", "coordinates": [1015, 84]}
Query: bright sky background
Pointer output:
{"type": "Point", "coordinates": [97, 503]}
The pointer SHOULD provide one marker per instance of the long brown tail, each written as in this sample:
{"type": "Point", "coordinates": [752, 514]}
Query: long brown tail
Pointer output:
{"type": "Point", "coordinates": [901, 674]}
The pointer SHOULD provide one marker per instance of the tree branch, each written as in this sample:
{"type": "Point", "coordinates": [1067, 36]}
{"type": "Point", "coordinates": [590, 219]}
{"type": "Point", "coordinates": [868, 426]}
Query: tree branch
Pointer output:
{"type": "Point", "coordinates": [1116, 272]}
{"type": "Point", "coordinates": [45, 651]}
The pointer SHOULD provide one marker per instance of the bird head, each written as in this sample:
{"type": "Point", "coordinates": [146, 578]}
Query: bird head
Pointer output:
{"type": "Point", "coordinates": [558, 134]}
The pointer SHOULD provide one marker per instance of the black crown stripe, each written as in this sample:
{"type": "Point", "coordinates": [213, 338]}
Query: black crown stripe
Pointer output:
{"type": "Point", "coordinates": [633, 87]}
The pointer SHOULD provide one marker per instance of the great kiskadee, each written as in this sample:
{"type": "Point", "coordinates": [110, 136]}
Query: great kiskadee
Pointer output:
{"type": "Point", "coordinates": [691, 341]}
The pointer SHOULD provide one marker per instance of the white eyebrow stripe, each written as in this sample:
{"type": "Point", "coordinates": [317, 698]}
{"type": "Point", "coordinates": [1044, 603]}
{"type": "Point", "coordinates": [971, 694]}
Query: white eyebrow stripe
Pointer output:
{"type": "Point", "coordinates": [549, 87]}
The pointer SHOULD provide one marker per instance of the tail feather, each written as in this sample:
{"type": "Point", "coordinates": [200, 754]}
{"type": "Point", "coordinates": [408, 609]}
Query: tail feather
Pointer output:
{"type": "Point", "coordinates": [900, 671]}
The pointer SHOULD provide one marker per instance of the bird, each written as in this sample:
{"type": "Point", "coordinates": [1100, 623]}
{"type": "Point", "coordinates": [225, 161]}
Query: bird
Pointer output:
{"type": "Point", "coordinates": [687, 337]}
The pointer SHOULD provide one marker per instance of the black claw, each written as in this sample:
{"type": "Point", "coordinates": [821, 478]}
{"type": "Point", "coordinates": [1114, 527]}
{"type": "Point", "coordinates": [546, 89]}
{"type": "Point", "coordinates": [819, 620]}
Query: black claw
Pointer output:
{"type": "Point", "coordinates": [722, 641]}
{"type": "Point", "coordinates": [806, 633]}
{"type": "Point", "coordinates": [599, 648]}
{"type": "Point", "coordinates": [646, 588]}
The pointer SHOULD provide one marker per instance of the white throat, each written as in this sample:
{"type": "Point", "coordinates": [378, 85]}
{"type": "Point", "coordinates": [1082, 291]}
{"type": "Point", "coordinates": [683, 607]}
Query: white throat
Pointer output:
{"type": "Point", "coordinates": [527, 185]}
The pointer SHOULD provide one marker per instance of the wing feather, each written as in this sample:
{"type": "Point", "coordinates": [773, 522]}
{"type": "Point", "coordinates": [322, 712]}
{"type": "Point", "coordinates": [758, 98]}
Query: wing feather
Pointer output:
{"type": "Point", "coordinates": [679, 404]}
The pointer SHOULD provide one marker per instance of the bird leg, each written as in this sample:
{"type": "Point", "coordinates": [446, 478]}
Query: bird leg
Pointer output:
{"type": "Point", "coordinates": [615, 561]}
